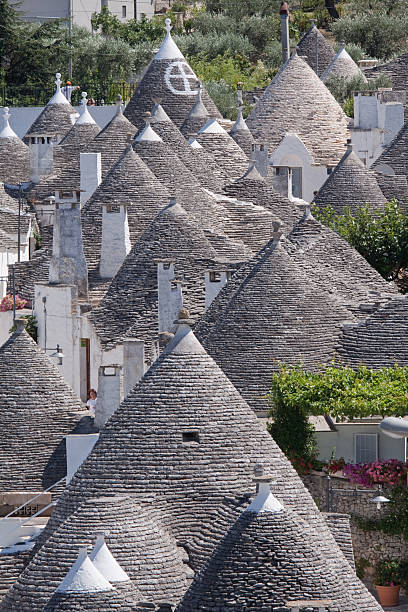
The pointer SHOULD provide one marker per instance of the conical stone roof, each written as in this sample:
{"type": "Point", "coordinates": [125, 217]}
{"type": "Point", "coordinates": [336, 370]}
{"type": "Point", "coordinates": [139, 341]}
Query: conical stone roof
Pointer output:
{"type": "Point", "coordinates": [393, 186]}
{"type": "Point", "coordinates": [241, 134]}
{"type": "Point", "coordinates": [291, 319]}
{"type": "Point", "coordinates": [103, 601]}
{"type": "Point", "coordinates": [172, 437]}
{"type": "Point", "coordinates": [350, 184]}
{"type": "Point", "coordinates": [14, 153]}
{"type": "Point", "coordinates": [196, 118]}
{"type": "Point", "coordinates": [396, 69]}
{"type": "Point", "coordinates": [297, 101]}
{"type": "Point", "coordinates": [316, 49]}
{"type": "Point", "coordinates": [83, 131]}
{"type": "Point", "coordinates": [199, 161]}
{"type": "Point", "coordinates": [342, 65]}
{"type": "Point", "coordinates": [227, 153]}
{"type": "Point", "coordinates": [262, 562]}
{"type": "Point", "coordinates": [56, 117]}
{"type": "Point", "coordinates": [38, 409]}
{"type": "Point", "coordinates": [129, 182]}
{"type": "Point", "coordinates": [112, 140]}
{"type": "Point", "coordinates": [172, 236]}
{"type": "Point", "coordinates": [337, 267]}
{"type": "Point", "coordinates": [380, 340]}
{"type": "Point", "coordinates": [146, 552]}
{"type": "Point", "coordinates": [170, 78]}
{"type": "Point", "coordinates": [394, 154]}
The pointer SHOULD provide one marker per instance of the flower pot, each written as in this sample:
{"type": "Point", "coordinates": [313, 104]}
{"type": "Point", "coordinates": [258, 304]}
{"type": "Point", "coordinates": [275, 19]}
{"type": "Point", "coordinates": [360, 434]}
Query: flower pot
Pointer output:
{"type": "Point", "coordinates": [388, 595]}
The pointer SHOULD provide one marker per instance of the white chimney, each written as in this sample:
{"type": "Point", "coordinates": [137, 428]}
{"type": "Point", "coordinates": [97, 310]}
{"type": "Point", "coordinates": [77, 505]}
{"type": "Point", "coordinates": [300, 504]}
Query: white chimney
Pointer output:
{"type": "Point", "coordinates": [170, 295]}
{"type": "Point", "coordinates": [91, 174]}
{"type": "Point", "coordinates": [41, 156]}
{"type": "Point", "coordinates": [115, 239]}
{"type": "Point", "coordinates": [68, 264]}
{"type": "Point", "coordinates": [214, 282]}
{"type": "Point", "coordinates": [108, 399]}
{"type": "Point", "coordinates": [133, 363]}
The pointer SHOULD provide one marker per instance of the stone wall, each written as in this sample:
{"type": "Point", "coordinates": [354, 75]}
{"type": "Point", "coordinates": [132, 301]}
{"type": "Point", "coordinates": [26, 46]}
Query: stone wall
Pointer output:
{"type": "Point", "coordinates": [370, 546]}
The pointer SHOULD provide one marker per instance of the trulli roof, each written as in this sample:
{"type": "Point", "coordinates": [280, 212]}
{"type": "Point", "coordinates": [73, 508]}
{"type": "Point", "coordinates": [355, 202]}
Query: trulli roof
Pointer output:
{"type": "Point", "coordinates": [137, 541]}
{"type": "Point", "coordinates": [38, 408]}
{"type": "Point", "coordinates": [298, 101]}
{"type": "Point", "coordinates": [350, 184]}
{"type": "Point", "coordinates": [172, 437]}
{"type": "Point", "coordinates": [170, 78]}
{"type": "Point", "coordinates": [241, 134]}
{"type": "Point", "coordinates": [394, 154]}
{"type": "Point", "coordinates": [316, 49]}
{"type": "Point", "coordinates": [342, 65]}
{"type": "Point", "coordinates": [227, 153]}
{"type": "Point", "coordinates": [14, 154]}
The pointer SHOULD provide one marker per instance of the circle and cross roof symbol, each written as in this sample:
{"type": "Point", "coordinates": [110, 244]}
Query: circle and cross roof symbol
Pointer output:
{"type": "Point", "coordinates": [180, 79]}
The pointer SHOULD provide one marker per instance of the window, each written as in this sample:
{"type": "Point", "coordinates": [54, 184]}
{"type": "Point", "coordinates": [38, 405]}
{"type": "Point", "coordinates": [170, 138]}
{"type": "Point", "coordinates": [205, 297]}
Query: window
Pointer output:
{"type": "Point", "coordinates": [123, 12]}
{"type": "Point", "coordinates": [191, 437]}
{"type": "Point", "coordinates": [366, 448]}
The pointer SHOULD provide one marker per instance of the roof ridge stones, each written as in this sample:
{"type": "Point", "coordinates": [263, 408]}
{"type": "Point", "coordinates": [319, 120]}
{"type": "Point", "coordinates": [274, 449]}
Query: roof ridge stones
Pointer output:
{"type": "Point", "coordinates": [172, 235]}
{"type": "Point", "coordinates": [128, 182]}
{"type": "Point", "coordinates": [170, 78]}
{"type": "Point", "coordinates": [37, 409]}
{"type": "Point", "coordinates": [172, 438]}
{"type": "Point", "coordinates": [199, 161]}
{"type": "Point", "coordinates": [316, 49]}
{"type": "Point", "coordinates": [136, 539]}
{"type": "Point", "coordinates": [14, 153]}
{"type": "Point", "coordinates": [297, 101]}
{"type": "Point", "coordinates": [350, 184]}
{"type": "Point", "coordinates": [227, 153]}
{"type": "Point", "coordinates": [342, 65]}
{"type": "Point", "coordinates": [292, 320]}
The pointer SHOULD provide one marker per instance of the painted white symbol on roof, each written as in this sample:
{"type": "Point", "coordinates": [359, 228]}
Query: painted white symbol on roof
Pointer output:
{"type": "Point", "coordinates": [180, 79]}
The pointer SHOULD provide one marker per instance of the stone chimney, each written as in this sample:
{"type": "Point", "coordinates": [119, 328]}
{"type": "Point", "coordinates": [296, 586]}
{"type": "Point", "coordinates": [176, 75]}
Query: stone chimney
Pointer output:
{"type": "Point", "coordinates": [41, 156]}
{"type": "Point", "coordinates": [115, 239]}
{"type": "Point", "coordinates": [214, 282]}
{"type": "Point", "coordinates": [170, 295]}
{"type": "Point", "coordinates": [133, 363]}
{"type": "Point", "coordinates": [91, 174]}
{"type": "Point", "coordinates": [108, 393]}
{"type": "Point", "coordinates": [260, 156]}
{"type": "Point", "coordinates": [284, 16]}
{"type": "Point", "coordinates": [68, 264]}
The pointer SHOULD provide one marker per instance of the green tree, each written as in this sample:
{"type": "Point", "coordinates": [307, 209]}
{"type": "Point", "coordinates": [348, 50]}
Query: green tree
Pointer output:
{"type": "Point", "coordinates": [380, 237]}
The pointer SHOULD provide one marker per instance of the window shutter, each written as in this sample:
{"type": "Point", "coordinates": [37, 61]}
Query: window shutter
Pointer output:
{"type": "Point", "coordinates": [366, 448]}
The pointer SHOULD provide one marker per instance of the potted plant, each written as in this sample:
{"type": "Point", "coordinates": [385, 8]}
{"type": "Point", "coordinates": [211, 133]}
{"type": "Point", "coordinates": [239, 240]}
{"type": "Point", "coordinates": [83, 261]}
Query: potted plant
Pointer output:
{"type": "Point", "coordinates": [387, 581]}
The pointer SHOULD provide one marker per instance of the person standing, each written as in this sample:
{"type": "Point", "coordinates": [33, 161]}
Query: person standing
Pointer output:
{"type": "Point", "coordinates": [68, 89]}
{"type": "Point", "coordinates": [91, 403]}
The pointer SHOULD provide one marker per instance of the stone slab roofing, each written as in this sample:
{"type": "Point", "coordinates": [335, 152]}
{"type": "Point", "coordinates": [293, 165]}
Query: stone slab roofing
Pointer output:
{"type": "Point", "coordinates": [196, 118]}
{"type": "Point", "coordinates": [271, 311]}
{"type": "Point", "coordinates": [350, 184]}
{"type": "Point", "coordinates": [380, 340]}
{"type": "Point", "coordinates": [396, 69]}
{"type": "Point", "coordinates": [199, 161]}
{"type": "Point", "coordinates": [393, 187]}
{"type": "Point", "coordinates": [342, 65]}
{"type": "Point", "coordinates": [135, 538]}
{"type": "Point", "coordinates": [170, 78]}
{"type": "Point", "coordinates": [316, 49]}
{"type": "Point", "coordinates": [297, 101]}
{"type": "Point", "coordinates": [394, 154]}
{"type": "Point", "coordinates": [172, 438]}
{"type": "Point", "coordinates": [6, 200]}
{"type": "Point", "coordinates": [129, 182]}
{"type": "Point", "coordinates": [112, 140]}
{"type": "Point", "coordinates": [14, 154]}
{"type": "Point", "coordinates": [338, 268]}
{"type": "Point", "coordinates": [227, 153]}
{"type": "Point", "coordinates": [108, 601]}
{"type": "Point", "coordinates": [172, 236]}
{"type": "Point", "coordinates": [38, 409]}
{"type": "Point", "coordinates": [241, 134]}
{"type": "Point", "coordinates": [262, 562]}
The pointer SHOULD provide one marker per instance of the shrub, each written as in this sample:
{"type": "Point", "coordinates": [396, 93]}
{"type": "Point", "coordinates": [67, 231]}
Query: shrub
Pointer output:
{"type": "Point", "coordinates": [342, 88]}
{"type": "Point", "coordinates": [208, 23]}
{"type": "Point", "coordinates": [214, 44]}
{"type": "Point", "coordinates": [273, 55]}
{"type": "Point", "coordinates": [355, 51]}
{"type": "Point", "coordinates": [379, 35]}
{"type": "Point", "coordinates": [224, 97]}
{"type": "Point", "coordinates": [231, 70]}
{"type": "Point", "coordinates": [260, 30]}
{"type": "Point", "coordinates": [7, 303]}
{"type": "Point", "coordinates": [388, 472]}
{"type": "Point", "coordinates": [390, 572]}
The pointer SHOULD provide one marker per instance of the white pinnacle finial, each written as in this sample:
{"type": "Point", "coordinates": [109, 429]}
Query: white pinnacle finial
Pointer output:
{"type": "Point", "coordinates": [119, 104]}
{"type": "Point", "coordinates": [264, 501]}
{"type": "Point", "coordinates": [5, 129]}
{"type": "Point", "coordinates": [58, 97]}
{"type": "Point", "coordinates": [84, 100]}
{"type": "Point", "coordinates": [168, 25]}
{"type": "Point", "coordinates": [58, 81]}
{"type": "Point", "coordinates": [84, 114]}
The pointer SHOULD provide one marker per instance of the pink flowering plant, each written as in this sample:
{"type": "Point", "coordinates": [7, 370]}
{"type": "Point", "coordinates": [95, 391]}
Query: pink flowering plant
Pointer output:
{"type": "Point", "coordinates": [389, 472]}
{"type": "Point", "coordinates": [7, 303]}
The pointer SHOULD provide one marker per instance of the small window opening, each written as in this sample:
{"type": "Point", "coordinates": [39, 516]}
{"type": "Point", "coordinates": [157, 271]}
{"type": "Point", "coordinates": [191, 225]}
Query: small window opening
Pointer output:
{"type": "Point", "coordinates": [123, 12]}
{"type": "Point", "coordinates": [215, 277]}
{"type": "Point", "coordinates": [191, 437]}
